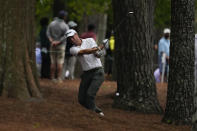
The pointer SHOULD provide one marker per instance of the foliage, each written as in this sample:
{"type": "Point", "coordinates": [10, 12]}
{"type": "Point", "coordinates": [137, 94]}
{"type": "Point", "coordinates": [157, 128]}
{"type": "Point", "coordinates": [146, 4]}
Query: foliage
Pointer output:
{"type": "Point", "coordinates": [79, 8]}
{"type": "Point", "coordinates": [43, 9]}
{"type": "Point", "coordinates": [195, 5]}
{"type": "Point", "coordinates": [162, 13]}
{"type": "Point", "coordinates": [110, 21]}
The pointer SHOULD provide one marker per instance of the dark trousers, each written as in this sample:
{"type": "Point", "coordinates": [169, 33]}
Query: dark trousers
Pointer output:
{"type": "Point", "coordinates": [109, 64]}
{"type": "Point", "coordinates": [89, 86]}
{"type": "Point", "coordinates": [45, 67]}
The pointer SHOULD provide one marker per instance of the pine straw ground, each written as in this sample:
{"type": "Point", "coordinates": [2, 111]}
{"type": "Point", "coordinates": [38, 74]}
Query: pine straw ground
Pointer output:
{"type": "Point", "coordinates": [60, 111]}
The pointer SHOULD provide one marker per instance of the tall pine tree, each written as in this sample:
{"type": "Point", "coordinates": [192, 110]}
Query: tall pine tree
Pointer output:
{"type": "Point", "coordinates": [18, 77]}
{"type": "Point", "coordinates": [180, 100]}
{"type": "Point", "coordinates": [134, 56]}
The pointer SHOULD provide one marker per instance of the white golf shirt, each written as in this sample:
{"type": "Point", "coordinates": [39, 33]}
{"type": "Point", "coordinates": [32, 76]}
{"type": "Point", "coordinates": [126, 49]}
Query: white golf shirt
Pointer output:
{"type": "Point", "coordinates": [88, 61]}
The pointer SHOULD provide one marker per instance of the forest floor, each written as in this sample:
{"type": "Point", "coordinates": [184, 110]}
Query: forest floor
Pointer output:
{"type": "Point", "coordinates": [60, 111]}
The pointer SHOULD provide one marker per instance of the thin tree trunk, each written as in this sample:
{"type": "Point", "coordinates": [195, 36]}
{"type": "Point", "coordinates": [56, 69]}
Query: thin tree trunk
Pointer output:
{"type": "Point", "coordinates": [18, 77]}
{"type": "Point", "coordinates": [180, 101]}
{"type": "Point", "coordinates": [134, 56]}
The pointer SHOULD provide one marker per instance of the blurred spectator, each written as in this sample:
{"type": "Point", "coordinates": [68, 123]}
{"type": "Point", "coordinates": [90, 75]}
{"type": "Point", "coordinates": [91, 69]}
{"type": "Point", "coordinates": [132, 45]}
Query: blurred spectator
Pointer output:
{"type": "Point", "coordinates": [45, 47]}
{"type": "Point", "coordinates": [70, 60]}
{"type": "Point", "coordinates": [157, 75]}
{"type": "Point", "coordinates": [72, 25]}
{"type": "Point", "coordinates": [164, 53]}
{"type": "Point", "coordinates": [109, 55]}
{"type": "Point", "coordinates": [90, 33]}
{"type": "Point", "coordinates": [56, 34]}
{"type": "Point", "coordinates": [38, 58]}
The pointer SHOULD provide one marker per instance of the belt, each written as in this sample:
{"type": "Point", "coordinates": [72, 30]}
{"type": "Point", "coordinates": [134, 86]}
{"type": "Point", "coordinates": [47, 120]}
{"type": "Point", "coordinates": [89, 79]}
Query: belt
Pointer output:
{"type": "Point", "coordinates": [92, 70]}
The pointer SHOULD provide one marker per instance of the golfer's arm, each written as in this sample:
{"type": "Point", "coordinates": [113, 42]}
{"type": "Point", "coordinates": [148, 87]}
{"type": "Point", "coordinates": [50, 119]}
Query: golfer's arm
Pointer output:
{"type": "Point", "coordinates": [88, 51]}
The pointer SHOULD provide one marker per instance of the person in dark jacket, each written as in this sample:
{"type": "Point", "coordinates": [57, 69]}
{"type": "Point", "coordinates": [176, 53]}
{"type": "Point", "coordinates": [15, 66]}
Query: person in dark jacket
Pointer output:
{"type": "Point", "coordinates": [45, 46]}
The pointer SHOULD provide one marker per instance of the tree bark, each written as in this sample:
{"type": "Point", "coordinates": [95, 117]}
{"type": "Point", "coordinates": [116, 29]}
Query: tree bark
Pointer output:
{"type": "Point", "coordinates": [196, 20]}
{"type": "Point", "coordinates": [18, 76]}
{"type": "Point", "coordinates": [134, 56]}
{"type": "Point", "coordinates": [180, 101]}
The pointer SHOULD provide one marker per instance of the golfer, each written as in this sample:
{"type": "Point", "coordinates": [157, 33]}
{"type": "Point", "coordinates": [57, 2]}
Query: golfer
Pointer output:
{"type": "Point", "coordinates": [93, 73]}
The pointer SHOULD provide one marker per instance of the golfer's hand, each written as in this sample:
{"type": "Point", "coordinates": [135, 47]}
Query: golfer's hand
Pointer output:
{"type": "Point", "coordinates": [99, 53]}
{"type": "Point", "coordinates": [101, 46]}
{"type": "Point", "coordinates": [106, 43]}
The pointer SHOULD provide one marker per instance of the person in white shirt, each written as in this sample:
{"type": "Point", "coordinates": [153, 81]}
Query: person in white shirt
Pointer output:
{"type": "Point", "coordinates": [93, 73]}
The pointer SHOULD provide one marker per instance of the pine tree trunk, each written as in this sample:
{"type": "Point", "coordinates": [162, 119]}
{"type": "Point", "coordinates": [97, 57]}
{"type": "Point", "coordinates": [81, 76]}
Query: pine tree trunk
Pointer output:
{"type": "Point", "coordinates": [180, 101]}
{"type": "Point", "coordinates": [134, 56]}
{"type": "Point", "coordinates": [18, 77]}
{"type": "Point", "coordinates": [196, 20]}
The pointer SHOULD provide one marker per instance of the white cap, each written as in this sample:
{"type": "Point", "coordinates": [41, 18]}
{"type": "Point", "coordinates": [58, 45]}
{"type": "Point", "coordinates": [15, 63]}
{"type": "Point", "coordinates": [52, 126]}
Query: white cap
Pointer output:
{"type": "Point", "coordinates": [70, 33]}
{"type": "Point", "coordinates": [72, 24]}
{"type": "Point", "coordinates": [166, 30]}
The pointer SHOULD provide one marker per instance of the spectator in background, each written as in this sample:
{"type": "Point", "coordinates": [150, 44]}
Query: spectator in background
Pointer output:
{"type": "Point", "coordinates": [38, 58]}
{"type": "Point", "coordinates": [157, 75]}
{"type": "Point", "coordinates": [90, 33]}
{"type": "Point", "coordinates": [164, 52]}
{"type": "Point", "coordinates": [70, 60]}
{"type": "Point", "coordinates": [56, 34]}
{"type": "Point", "coordinates": [109, 56]}
{"type": "Point", "coordinates": [45, 47]}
